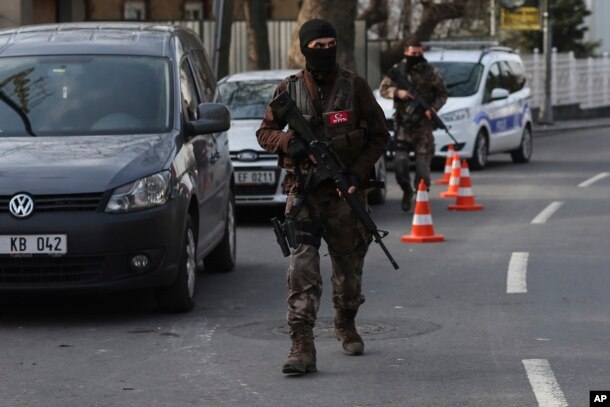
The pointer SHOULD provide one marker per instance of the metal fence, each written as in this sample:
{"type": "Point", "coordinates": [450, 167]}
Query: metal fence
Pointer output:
{"type": "Point", "coordinates": [280, 34]}
{"type": "Point", "coordinates": [585, 82]}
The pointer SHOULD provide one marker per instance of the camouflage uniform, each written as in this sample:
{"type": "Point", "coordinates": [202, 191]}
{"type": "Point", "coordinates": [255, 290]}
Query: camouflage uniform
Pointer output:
{"type": "Point", "coordinates": [359, 145]}
{"type": "Point", "coordinates": [413, 131]}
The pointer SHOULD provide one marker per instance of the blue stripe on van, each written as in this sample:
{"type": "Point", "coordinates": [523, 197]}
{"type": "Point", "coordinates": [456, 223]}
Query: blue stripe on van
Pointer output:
{"type": "Point", "coordinates": [505, 123]}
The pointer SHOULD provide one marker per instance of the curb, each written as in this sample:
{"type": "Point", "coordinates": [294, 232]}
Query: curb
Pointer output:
{"type": "Point", "coordinates": [571, 125]}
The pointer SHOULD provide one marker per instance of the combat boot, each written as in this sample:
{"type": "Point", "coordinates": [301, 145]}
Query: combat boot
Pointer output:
{"type": "Point", "coordinates": [345, 331]}
{"type": "Point", "coordinates": [407, 200]}
{"type": "Point", "coordinates": [302, 357]}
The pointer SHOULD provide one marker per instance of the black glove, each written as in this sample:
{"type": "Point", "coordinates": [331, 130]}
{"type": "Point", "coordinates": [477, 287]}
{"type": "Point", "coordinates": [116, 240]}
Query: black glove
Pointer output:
{"type": "Point", "coordinates": [353, 180]}
{"type": "Point", "coordinates": [298, 149]}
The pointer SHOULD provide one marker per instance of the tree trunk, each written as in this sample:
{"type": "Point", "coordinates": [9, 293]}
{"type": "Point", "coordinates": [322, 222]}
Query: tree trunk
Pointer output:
{"type": "Point", "coordinates": [258, 38]}
{"type": "Point", "coordinates": [222, 44]}
{"type": "Point", "coordinates": [341, 14]}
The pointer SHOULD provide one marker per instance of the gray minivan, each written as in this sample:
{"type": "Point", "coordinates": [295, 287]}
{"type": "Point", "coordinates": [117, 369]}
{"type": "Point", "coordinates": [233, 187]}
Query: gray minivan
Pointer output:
{"type": "Point", "coordinates": [114, 161]}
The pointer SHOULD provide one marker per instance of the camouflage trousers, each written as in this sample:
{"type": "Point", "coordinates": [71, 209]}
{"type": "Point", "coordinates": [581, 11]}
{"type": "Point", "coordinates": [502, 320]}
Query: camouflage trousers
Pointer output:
{"type": "Point", "coordinates": [347, 242]}
{"type": "Point", "coordinates": [421, 142]}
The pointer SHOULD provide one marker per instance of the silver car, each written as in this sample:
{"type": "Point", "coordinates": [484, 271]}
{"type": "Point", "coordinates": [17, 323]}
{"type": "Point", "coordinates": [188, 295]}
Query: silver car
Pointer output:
{"type": "Point", "coordinates": [257, 175]}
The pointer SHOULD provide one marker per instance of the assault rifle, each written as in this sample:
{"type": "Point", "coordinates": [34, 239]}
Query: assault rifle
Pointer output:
{"type": "Point", "coordinates": [328, 165]}
{"type": "Point", "coordinates": [399, 79]}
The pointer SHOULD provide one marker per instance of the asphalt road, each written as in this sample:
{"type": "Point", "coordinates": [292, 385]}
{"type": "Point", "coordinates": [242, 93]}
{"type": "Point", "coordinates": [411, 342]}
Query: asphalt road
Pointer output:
{"type": "Point", "coordinates": [505, 312]}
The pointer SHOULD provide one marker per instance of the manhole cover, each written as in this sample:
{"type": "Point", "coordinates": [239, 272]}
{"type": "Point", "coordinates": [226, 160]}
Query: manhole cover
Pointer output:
{"type": "Point", "coordinates": [325, 329]}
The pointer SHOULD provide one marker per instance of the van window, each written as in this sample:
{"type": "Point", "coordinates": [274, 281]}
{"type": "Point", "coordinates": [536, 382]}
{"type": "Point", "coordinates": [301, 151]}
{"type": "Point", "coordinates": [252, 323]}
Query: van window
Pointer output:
{"type": "Point", "coordinates": [188, 91]}
{"type": "Point", "coordinates": [203, 75]}
{"type": "Point", "coordinates": [461, 78]}
{"type": "Point", "coordinates": [518, 73]}
{"type": "Point", "coordinates": [84, 95]}
{"type": "Point", "coordinates": [494, 80]}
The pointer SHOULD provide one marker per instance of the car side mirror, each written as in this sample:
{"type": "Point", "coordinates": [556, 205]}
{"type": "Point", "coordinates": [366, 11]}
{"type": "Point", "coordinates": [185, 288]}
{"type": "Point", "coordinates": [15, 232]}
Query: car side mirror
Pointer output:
{"type": "Point", "coordinates": [213, 118]}
{"type": "Point", "coordinates": [499, 93]}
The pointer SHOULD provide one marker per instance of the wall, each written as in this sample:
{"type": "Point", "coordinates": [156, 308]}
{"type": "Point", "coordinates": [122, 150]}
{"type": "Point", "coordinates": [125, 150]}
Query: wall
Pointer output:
{"type": "Point", "coordinates": [15, 13]}
{"type": "Point", "coordinates": [597, 22]}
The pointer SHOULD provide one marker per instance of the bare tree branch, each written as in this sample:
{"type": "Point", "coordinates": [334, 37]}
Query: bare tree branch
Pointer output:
{"type": "Point", "coordinates": [433, 14]}
{"type": "Point", "coordinates": [376, 12]}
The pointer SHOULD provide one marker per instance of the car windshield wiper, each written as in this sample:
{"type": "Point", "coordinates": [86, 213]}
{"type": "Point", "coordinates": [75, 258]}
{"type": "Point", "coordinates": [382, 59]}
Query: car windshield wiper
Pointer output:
{"type": "Point", "coordinates": [24, 117]}
{"type": "Point", "coordinates": [454, 84]}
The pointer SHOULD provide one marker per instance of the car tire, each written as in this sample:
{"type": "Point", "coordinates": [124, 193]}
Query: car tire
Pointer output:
{"type": "Point", "coordinates": [180, 295]}
{"type": "Point", "coordinates": [524, 153]}
{"type": "Point", "coordinates": [480, 153]}
{"type": "Point", "coordinates": [378, 195]}
{"type": "Point", "coordinates": [223, 257]}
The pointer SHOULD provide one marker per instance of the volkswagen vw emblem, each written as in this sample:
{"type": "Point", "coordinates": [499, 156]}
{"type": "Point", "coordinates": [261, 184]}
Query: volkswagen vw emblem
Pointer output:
{"type": "Point", "coordinates": [21, 206]}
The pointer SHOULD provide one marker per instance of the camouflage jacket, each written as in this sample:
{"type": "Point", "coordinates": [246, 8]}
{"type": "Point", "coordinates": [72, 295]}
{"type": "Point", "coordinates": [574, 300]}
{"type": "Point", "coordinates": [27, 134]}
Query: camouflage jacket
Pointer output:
{"type": "Point", "coordinates": [428, 82]}
{"type": "Point", "coordinates": [273, 138]}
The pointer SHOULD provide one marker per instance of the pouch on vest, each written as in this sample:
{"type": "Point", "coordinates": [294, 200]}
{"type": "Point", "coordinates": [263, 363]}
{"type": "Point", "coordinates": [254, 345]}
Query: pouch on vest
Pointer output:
{"type": "Point", "coordinates": [348, 145]}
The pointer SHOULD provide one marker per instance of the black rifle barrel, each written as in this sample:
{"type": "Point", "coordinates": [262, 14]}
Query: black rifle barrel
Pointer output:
{"type": "Point", "coordinates": [328, 164]}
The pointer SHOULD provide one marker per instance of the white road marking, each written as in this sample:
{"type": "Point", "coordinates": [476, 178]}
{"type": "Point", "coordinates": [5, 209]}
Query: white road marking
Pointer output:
{"type": "Point", "coordinates": [593, 180]}
{"type": "Point", "coordinates": [517, 271]}
{"type": "Point", "coordinates": [547, 212]}
{"type": "Point", "coordinates": [543, 382]}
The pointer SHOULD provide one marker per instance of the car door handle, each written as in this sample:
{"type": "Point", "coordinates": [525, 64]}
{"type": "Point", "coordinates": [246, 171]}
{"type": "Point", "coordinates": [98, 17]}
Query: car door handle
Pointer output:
{"type": "Point", "coordinates": [215, 157]}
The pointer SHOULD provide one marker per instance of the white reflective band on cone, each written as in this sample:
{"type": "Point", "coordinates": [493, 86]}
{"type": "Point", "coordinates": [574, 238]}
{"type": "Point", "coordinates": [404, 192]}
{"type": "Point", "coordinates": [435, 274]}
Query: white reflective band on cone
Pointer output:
{"type": "Point", "coordinates": [422, 196]}
{"type": "Point", "coordinates": [465, 172]}
{"type": "Point", "coordinates": [454, 181]}
{"type": "Point", "coordinates": [465, 192]}
{"type": "Point", "coordinates": [422, 219]}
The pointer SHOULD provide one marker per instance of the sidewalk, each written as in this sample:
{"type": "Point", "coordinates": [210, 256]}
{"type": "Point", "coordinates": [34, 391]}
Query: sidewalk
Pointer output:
{"type": "Point", "coordinates": [567, 125]}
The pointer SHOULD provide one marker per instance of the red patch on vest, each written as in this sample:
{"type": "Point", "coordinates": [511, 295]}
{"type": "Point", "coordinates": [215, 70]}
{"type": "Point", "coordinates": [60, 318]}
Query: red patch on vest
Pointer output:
{"type": "Point", "coordinates": [337, 118]}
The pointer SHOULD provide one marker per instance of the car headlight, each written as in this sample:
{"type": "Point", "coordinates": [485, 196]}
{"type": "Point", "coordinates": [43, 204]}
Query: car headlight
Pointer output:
{"type": "Point", "coordinates": [461, 114]}
{"type": "Point", "coordinates": [146, 192]}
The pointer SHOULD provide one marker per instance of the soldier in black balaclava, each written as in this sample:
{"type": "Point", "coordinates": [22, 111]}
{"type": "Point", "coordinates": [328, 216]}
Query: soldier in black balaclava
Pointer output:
{"type": "Point", "coordinates": [341, 108]}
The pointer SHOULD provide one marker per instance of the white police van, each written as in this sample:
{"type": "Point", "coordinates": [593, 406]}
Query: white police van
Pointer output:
{"type": "Point", "coordinates": [489, 103]}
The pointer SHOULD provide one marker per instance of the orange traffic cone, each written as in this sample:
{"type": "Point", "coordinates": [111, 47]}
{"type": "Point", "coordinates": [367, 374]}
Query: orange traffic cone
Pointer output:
{"type": "Point", "coordinates": [422, 230]}
{"type": "Point", "coordinates": [448, 165]}
{"type": "Point", "coordinates": [465, 198]}
{"type": "Point", "coordinates": [454, 180]}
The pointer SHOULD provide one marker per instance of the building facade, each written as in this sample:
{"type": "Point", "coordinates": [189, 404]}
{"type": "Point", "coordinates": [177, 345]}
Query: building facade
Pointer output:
{"type": "Point", "coordinates": [25, 12]}
{"type": "Point", "coordinates": [597, 22]}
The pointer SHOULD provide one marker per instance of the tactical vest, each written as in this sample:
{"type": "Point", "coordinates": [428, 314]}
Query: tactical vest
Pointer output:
{"type": "Point", "coordinates": [340, 123]}
{"type": "Point", "coordinates": [407, 113]}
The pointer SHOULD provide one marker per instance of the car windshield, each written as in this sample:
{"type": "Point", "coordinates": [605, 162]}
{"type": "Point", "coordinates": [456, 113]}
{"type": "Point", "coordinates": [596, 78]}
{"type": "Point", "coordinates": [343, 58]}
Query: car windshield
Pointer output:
{"type": "Point", "coordinates": [247, 99]}
{"type": "Point", "coordinates": [85, 95]}
{"type": "Point", "coordinates": [461, 78]}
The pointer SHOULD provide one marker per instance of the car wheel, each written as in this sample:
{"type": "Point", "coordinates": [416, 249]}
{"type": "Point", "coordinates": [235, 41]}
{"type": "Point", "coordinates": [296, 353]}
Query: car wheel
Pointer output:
{"type": "Point", "coordinates": [524, 152]}
{"type": "Point", "coordinates": [180, 295]}
{"type": "Point", "coordinates": [480, 152]}
{"type": "Point", "coordinates": [377, 195]}
{"type": "Point", "coordinates": [223, 257]}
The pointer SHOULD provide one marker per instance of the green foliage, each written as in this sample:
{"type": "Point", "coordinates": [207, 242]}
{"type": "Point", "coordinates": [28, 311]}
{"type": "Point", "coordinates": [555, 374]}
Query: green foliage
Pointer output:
{"type": "Point", "coordinates": [567, 19]}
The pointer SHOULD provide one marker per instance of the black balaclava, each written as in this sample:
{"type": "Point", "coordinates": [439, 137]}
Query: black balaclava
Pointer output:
{"type": "Point", "coordinates": [411, 61]}
{"type": "Point", "coordinates": [320, 61]}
